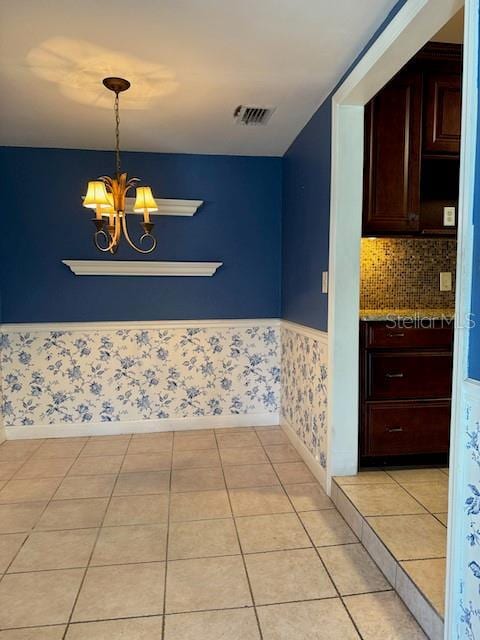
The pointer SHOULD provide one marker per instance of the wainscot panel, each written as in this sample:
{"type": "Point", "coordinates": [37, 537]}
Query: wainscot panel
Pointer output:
{"type": "Point", "coordinates": [304, 387]}
{"type": "Point", "coordinates": [139, 376]}
{"type": "Point", "coordinates": [469, 613]}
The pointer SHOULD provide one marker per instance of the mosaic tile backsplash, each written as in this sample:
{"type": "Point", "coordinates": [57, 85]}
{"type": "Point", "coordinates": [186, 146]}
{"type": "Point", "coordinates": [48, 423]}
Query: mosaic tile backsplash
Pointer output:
{"type": "Point", "coordinates": [403, 273]}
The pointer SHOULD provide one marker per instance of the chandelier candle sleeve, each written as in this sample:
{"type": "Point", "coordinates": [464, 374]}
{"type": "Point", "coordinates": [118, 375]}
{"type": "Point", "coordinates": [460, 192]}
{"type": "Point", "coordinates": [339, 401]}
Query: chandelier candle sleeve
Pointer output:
{"type": "Point", "coordinates": [110, 211]}
{"type": "Point", "coordinates": [145, 202]}
{"type": "Point", "coordinates": [107, 196]}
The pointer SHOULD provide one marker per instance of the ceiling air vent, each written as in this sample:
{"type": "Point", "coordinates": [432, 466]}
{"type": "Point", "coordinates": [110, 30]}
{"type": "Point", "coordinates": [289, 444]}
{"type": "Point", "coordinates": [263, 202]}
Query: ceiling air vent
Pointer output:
{"type": "Point", "coordinates": [252, 115]}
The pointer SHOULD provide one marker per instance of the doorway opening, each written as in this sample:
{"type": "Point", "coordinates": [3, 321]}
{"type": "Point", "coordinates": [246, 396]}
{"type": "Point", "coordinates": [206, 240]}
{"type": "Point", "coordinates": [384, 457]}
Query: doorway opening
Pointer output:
{"type": "Point", "coordinates": [413, 27]}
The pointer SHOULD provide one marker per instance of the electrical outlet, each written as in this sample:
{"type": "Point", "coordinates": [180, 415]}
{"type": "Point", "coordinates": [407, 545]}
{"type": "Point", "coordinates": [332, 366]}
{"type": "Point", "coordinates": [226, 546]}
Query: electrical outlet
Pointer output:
{"type": "Point", "coordinates": [324, 281]}
{"type": "Point", "coordinates": [448, 216]}
{"type": "Point", "coordinates": [445, 281]}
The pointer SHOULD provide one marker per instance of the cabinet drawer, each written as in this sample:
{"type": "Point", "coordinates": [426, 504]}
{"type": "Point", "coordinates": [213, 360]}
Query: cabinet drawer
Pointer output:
{"type": "Point", "coordinates": [406, 428]}
{"type": "Point", "coordinates": [381, 335]}
{"type": "Point", "coordinates": [397, 375]}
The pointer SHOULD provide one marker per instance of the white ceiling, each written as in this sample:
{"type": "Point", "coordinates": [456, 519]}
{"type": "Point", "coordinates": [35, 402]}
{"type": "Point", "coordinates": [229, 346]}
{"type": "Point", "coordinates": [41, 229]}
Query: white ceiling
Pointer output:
{"type": "Point", "coordinates": [191, 62]}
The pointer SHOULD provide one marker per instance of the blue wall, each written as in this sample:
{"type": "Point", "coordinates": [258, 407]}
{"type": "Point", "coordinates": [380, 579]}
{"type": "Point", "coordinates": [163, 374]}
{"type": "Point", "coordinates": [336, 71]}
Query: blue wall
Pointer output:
{"type": "Point", "coordinates": [239, 225]}
{"type": "Point", "coordinates": [474, 346]}
{"type": "Point", "coordinates": [306, 213]}
{"type": "Point", "coordinates": [474, 359]}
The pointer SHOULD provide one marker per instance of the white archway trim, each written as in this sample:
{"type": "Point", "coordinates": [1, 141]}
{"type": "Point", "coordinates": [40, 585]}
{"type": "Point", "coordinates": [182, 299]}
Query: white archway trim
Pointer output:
{"type": "Point", "coordinates": [411, 28]}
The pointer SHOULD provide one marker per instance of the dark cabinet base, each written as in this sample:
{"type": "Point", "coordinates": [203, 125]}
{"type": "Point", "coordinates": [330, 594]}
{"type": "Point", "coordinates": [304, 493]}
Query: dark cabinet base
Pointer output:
{"type": "Point", "coordinates": [417, 460]}
{"type": "Point", "coordinates": [405, 394]}
{"type": "Point", "coordinates": [397, 375]}
{"type": "Point", "coordinates": [406, 428]}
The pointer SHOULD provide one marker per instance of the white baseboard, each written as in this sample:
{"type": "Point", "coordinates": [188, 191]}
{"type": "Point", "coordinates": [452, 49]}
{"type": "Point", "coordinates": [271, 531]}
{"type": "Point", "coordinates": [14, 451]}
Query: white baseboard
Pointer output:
{"type": "Point", "coordinates": [309, 459]}
{"type": "Point", "coordinates": [141, 426]}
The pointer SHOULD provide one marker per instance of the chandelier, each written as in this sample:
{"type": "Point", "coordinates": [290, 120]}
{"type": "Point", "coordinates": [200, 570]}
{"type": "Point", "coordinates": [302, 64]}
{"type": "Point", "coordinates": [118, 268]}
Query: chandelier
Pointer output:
{"type": "Point", "coordinates": [107, 195]}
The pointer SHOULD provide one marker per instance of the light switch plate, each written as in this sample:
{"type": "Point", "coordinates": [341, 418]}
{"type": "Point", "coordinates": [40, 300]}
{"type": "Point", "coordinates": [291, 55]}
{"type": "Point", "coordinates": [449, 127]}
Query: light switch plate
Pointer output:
{"type": "Point", "coordinates": [448, 216]}
{"type": "Point", "coordinates": [324, 281]}
{"type": "Point", "coordinates": [445, 281]}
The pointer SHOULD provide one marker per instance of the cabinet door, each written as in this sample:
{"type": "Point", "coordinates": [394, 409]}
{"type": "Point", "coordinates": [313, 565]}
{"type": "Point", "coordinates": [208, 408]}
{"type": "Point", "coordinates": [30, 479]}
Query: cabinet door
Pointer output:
{"type": "Point", "coordinates": [443, 114]}
{"type": "Point", "coordinates": [401, 375]}
{"type": "Point", "coordinates": [406, 428]}
{"type": "Point", "coordinates": [392, 157]}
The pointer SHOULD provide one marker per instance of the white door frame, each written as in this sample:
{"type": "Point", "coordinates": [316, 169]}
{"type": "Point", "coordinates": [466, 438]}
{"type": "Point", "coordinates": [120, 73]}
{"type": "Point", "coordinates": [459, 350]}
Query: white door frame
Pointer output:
{"type": "Point", "coordinates": [410, 29]}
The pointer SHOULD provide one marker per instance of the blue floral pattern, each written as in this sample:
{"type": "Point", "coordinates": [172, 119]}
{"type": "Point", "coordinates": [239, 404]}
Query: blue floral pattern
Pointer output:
{"type": "Point", "coordinates": [469, 626]}
{"type": "Point", "coordinates": [52, 377]}
{"type": "Point", "coordinates": [304, 390]}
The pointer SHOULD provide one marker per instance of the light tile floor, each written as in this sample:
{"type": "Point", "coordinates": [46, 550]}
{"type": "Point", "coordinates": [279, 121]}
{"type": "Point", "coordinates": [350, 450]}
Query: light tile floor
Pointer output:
{"type": "Point", "coordinates": [407, 509]}
{"type": "Point", "coordinates": [195, 535]}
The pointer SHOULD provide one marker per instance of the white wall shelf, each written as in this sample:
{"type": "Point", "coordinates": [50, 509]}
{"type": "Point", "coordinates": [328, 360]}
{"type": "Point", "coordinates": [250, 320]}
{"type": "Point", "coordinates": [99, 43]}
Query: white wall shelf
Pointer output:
{"type": "Point", "coordinates": [169, 207]}
{"type": "Point", "coordinates": [140, 268]}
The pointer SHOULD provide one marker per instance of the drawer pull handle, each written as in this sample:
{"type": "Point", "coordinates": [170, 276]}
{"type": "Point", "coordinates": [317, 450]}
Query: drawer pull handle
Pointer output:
{"type": "Point", "coordinates": [394, 375]}
{"type": "Point", "coordinates": [394, 429]}
{"type": "Point", "coordinates": [395, 335]}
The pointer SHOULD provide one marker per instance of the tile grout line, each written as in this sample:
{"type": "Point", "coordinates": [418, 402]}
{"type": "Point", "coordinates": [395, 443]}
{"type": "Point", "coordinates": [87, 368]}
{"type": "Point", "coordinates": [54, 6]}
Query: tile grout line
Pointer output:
{"type": "Point", "coordinates": [32, 529]}
{"type": "Point", "coordinates": [399, 484]}
{"type": "Point", "coordinates": [85, 570]}
{"type": "Point", "coordinates": [187, 612]}
{"type": "Point", "coordinates": [426, 511]}
{"type": "Point", "coordinates": [417, 500]}
{"type": "Point", "coordinates": [389, 515]}
{"type": "Point", "coordinates": [365, 521]}
{"type": "Point", "coordinates": [167, 541]}
{"type": "Point", "coordinates": [397, 562]}
{"type": "Point", "coordinates": [319, 556]}
{"type": "Point", "coordinates": [118, 475]}
{"type": "Point", "coordinates": [186, 559]}
{"type": "Point", "coordinates": [28, 459]}
{"type": "Point", "coordinates": [239, 542]}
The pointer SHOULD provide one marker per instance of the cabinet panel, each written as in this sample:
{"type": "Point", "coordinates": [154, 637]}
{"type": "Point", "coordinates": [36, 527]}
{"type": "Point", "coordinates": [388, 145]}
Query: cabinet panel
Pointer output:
{"type": "Point", "coordinates": [383, 335]}
{"type": "Point", "coordinates": [405, 390]}
{"type": "Point", "coordinates": [406, 428]}
{"type": "Point", "coordinates": [392, 156]}
{"type": "Point", "coordinates": [443, 114]}
{"type": "Point", "coordinates": [398, 376]}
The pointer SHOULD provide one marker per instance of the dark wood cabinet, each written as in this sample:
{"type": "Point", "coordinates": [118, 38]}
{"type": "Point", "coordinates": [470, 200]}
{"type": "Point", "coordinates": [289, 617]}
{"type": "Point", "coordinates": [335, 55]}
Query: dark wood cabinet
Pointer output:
{"type": "Point", "coordinates": [443, 114]}
{"type": "Point", "coordinates": [405, 391]}
{"type": "Point", "coordinates": [398, 375]}
{"type": "Point", "coordinates": [387, 335]}
{"type": "Point", "coordinates": [404, 429]}
{"type": "Point", "coordinates": [412, 146]}
{"type": "Point", "coordinates": [392, 158]}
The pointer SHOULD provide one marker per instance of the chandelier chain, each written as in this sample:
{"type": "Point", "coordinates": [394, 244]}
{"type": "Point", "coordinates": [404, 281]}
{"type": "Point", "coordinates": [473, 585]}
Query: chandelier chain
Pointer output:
{"type": "Point", "coordinates": [117, 133]}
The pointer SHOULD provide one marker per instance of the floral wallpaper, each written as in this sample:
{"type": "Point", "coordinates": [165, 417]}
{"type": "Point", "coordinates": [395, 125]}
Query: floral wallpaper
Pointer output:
{"type": "Point", "coordinates": [52, 377]}
{"type": "Point", "coordinates": [469, 626]}
{"type": "Point", "coordinates": [2, 430]}
{"type": "Point", "coordinates": [304, 389]}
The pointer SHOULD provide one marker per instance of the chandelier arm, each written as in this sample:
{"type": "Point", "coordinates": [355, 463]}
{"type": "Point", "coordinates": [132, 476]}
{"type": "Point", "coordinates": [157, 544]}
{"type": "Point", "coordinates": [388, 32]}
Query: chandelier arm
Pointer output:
{"type": "Point", "coordinates": [103, 234]}
{"type": "Point", "coordinates": [118, 228]}
{"type": "Point", "coordinates": [145, 235]}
